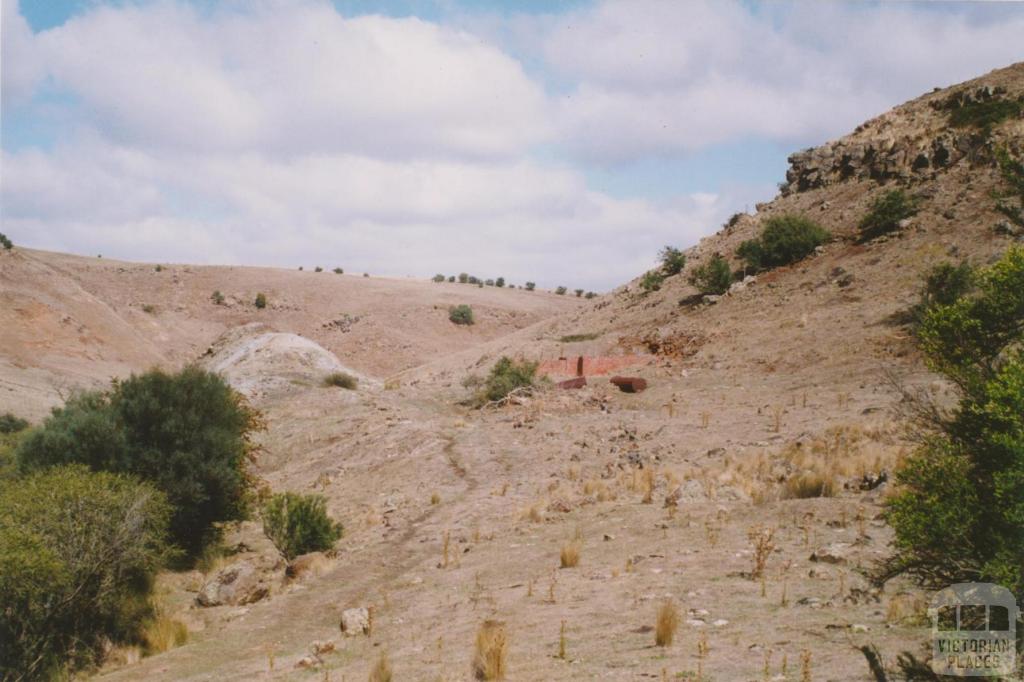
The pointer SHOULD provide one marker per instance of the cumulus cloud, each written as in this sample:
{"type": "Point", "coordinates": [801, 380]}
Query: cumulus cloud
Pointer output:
{"type": "Point", "coordinates": [653, 77]}
{"type": "Point", "coordinates": [286, 133]}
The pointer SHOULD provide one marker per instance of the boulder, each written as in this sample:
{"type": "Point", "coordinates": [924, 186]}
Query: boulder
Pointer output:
{"type": "Point", "coordinates": [835, 553]}
{"type": "Point", "coordinates": [355, 621]}
{"type": "Point", "coordinates": [236, 584]}
{"type": "Point", "coordinates": [629, 384]}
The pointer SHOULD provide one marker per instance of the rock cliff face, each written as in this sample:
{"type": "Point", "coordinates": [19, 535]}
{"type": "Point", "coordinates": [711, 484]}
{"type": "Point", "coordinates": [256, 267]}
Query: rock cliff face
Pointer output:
{"type": "Point", "coordinates": [913, 142]}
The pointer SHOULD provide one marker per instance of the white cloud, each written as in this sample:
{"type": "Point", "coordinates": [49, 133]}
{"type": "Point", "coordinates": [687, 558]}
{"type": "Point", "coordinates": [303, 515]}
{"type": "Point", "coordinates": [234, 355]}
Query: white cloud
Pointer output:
{"type": "Point", "coordinates": [666, 78]}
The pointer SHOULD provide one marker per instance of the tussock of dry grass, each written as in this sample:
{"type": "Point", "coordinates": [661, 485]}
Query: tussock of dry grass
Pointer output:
{"type": "Point", "coordinates": [807, 485]}
{"type": "Point", "coordinates": [381, 671]}
{"type": "Point", "coordinates": [907, 609]}
{"type": "Point", "coordinates": [491, 649]}
{"type": "Point", "coordinates": [163, 634]}
{"type": "Point", "coordinates": [570, 554]}
{"type": "Point", "coordinates": [666, 624]}
{"type": "Point", "coordinates": [599, 490]}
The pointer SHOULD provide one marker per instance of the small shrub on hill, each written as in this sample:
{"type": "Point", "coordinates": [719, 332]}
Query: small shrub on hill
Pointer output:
{"type": "Point", "coordinates": [299, 524]}
{"type": "Point", "coordinates": [217, 297]}
{"type": "Point", "coordinates": [451, 278]}
{"type": "Point", "coordinates": [463, 277]}
{"type": "Point", "coordinates": [341, 380]}
{"type": "Point", "coordinates": [672, 261]}
{"type": "Point", "coordinates": [712, 277]}
{"type": "Point", "coordinates": [439, 277]}
{"type": "Point", "coordinates": [12, 424]}
{"type": "Point", "coordinates": [561, 291]}
{"type": "Point", "coordinates": [318, 269]}
{"type": "Point", "coordinates": [578, 292]}
{"type": "Point", "coordinates": [500, 282]}
{"type": "Point", "coordinates": [785, 239]}
{"type": "Point", "coordinates": [507, 375]}
{"type": "Point", "coordinates": [489, 282]}
{"type": "Point", "coordinates": [339, 271]}
{"type": "Point", "coordinates": [984, 115]}
{"type": "Point", "coordinates": [885, 214]}
{"type": "Point", "coordinates": [461, 314]}
{"type": "Point", "coordinates": [5, 242]}
{"type": "Point", "coordinates": [530, 286]}
{"type": "Point", "coordinates": [1010, 198]}
{"type": "Point", "coordinates": [261, 301]}
{"type": "Point", "coordinates": [652, 281]}
{"type": "Point", "coordinates": [590, 294]}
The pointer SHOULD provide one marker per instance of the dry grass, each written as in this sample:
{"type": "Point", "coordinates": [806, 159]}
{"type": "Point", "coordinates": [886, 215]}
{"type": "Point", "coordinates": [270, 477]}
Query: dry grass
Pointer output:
{"type": "Point", "coordinates": [599, 490]}
{"type": "Point", "coordinates": [435, 498]}
{"type": "Point", "coordinates": [491, 650]}
{"type": "Point", "coordinates": [648, 482]}
{"type": "Point", "coordinates": [533, 513]}
{"type": "Point", "coordinates": [381, 672]}
{"type": "Point", "coordinates": [907, 609]}
{"type": "Point", "coordinates": [762, 541]}
{"type": "Point", "coordinates": [163, 633]}
{"type": "Point", "coordinates": [570, 554]}
{"type": "Point", "coordinates": [666, 624]}
{"type": "Point", "coordinates": [808, 485]}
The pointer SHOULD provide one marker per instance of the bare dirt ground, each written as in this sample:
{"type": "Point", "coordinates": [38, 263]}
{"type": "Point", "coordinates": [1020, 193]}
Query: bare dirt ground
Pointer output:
{"type": "Point", "coordinates": [454, 516]}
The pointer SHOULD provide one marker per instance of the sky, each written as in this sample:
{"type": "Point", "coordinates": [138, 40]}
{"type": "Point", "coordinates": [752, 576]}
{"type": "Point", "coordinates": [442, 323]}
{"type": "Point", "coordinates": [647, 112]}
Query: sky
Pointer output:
{"type": "Point", "coordinates": [557, 142]}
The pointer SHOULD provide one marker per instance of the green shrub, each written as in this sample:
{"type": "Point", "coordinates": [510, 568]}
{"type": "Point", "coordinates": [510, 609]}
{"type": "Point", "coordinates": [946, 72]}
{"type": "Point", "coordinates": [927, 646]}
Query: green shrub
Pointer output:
{"type": "Point", "coordinates": [78, 553]}
{"type": "Point", "coordinates": [712, 277]}
{"type": "Point", "coordinates": [461, 314]}
{"type": "Point", "coordinates": [652, 280]}
{"type": "Point", "coordinates": [474, 280]}
{"type": "Point", "coordinates": [318, 269]}
{"type": "Point", "coordinates": [500, 282]}
{"type": "Point", "coordinates": [451, 278]}
{"type": "Point", "coordinates": [339, 271]}
{"type": "Point", "coordinates": [463, 277]}
{"type": "Point", "coordinates": [341, 380]}
{"type": "Point", "coordinates": [12, 424]}
{"type": "Point", "coordinates": [885, 214]}
{"type": "Point", "coordinates": [590, 294]}
{"type": "Point", "coordinates": [366, 274]}
{"type": "Point", "coordinates": [299, 524]}
{"type": "Point", "coordinates": [530, 286]}
{"type": "Point", "coordinates": [984, 115]}
{"type": "Point", "coordinates": [944, 285]}
{"type": "Point", "coordinates": [159, 268]}
{"type": "Point", "coordinates": [579, 293]}
{"type": "Point", "coordinates": [959, 515]}
{"type": "Point", "coordinates": [672, 261]}
{"type": "Point", "coordinates": [507, 375]}
{"type": "Point", "coordinates": [217, 297]}
{"type": "Point", "coordinates": [489, 282]}
{"type": "Point", "coordinates": [785, 239]}
{"type": "Point", "coordinates": [149, 308]}
{"type": "Point", "coordinates": [187, 433]}
{"type": "Point", "coordinates": [439, 277]}
{"type": "Point", "coordinates": [5, 242]}
{"type": "Point", "coordinates": [261, 301]}
{"type": "Point", "coordinates": [561, 291]}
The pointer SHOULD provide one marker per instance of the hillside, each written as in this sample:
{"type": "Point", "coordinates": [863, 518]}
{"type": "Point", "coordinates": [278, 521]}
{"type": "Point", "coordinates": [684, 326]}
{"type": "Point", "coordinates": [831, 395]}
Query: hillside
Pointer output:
{"type": "Point", "coordinates": [454, 515]}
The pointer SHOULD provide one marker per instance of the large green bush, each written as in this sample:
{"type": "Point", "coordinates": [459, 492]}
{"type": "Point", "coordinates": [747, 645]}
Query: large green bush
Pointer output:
{"type": "Point", "coordinates": [960, 513]}
{"type": "Point", "coordinates": [785, 239]}
{"type": "Point", "coordinates": [78, 552]}
{"type": "Point", "coordinates": [1010, 198]}
{"type": "Point", "coordinates": [187, 433]}
{"type": "Point", "coordinates": [507, 375]}
{"type": "Point", "coordinates": [885, 214]}
{"type": "Point", "coordinates": [672, 261]}
{"type": "Point", "coordinates": [461, 314]}
{"type": "Point", "coordinates": [299, 524]}
{"type": "Point", "coordinates": [6, 242]}
{"type": "Point", "coordinates": [10, 423]}
{"type": "Point", "coordinates": [712, 277]}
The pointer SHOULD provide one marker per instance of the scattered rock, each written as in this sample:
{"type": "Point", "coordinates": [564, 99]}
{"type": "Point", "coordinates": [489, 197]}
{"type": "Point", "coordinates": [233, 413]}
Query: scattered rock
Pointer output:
{"type": "Point", "coordinates": [629, 384]}
{"type": "Point", "coordinates": [835, 553]}
{"type": "Point", "coordinates": [355, 621]}
{"type": "Point", "coordinates": [237, 584]}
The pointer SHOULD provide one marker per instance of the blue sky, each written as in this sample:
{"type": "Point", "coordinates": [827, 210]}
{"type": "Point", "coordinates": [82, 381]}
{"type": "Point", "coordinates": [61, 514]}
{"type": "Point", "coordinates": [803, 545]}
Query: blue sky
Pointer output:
{"type": "Point", "coordinates": [563, 143]}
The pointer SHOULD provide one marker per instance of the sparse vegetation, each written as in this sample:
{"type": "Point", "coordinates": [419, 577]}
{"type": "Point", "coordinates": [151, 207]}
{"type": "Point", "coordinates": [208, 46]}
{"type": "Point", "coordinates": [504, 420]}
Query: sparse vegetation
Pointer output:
{"type": "Point", "coordinates": [530, 286]}
{"type": "Point", "coordinates": [149, 308]}
{"type": "Point", "coordinates": [339, 271]}
{"type": "Point", "coordinates": [439, 278]}
{"type": "Point", "coordinates": [6, 242]}
{"type": "Point", "coordinates": [561, 291]}
{"type": "Point", "coordinates": [341, 380]}
{"type": "Point", "coordinates": [983, 115]}
{"type": "Point", "coordinates": [666, 623]}
{"type": "Point", "coordinates": [569, 555]}
{"type": "Point", "coordinates": [78, 552]}
{"type": "Point", "coordinates": [807, 485]}
{"type": "Point", "coordinates": [217, 297]}
{"type": "Point", "coordinates": [299, 524]}
{"type": "Point", "coordinates": [713, 277]}
{"type": "Point", "coordinates": [261, 301]}
{"type": "Point", "coordinates": [885, 214]}
{"type": "Point", "coordinates": [500, 282]}
{"type": "Point", "coordinates": [318, 269]}
{"type": "Point", "coordinates": [186, 433]}
{"type": "Point", "coordinates": [491, 651]}
{"type": "Point", "coordinates": [672, 261]}
{"type": "Point", "coordinates": [461, 314]}
{"type": "Point", "coordinates": [162, 633]}
{"type": "Point", "coordinates": [1010, 199]}
{"type": "Point", "coordinates": [762, 543]}
{"type": "Point", "coordinates": [785, 239]}
{"type": "Point", "coordinates": [381, 669]}
{"type": "Point", "coordinates": [451, 278]}
{"type": "Point", "coordinates": [463, 277]}
{"type": "Point", "coordinates": [578, 292]}
{"type": "Point", "coordinates": [652, 281]}
{"type": "Point", "coordinates": [974, 455]}
{"type": "Point", "coordinates": [590, 294]}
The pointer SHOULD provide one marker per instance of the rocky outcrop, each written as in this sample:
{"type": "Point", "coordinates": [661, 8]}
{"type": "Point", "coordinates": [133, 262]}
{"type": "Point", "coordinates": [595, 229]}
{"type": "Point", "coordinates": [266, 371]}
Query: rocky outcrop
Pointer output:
{"type": "Point", "coordinates": [237, 584]}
